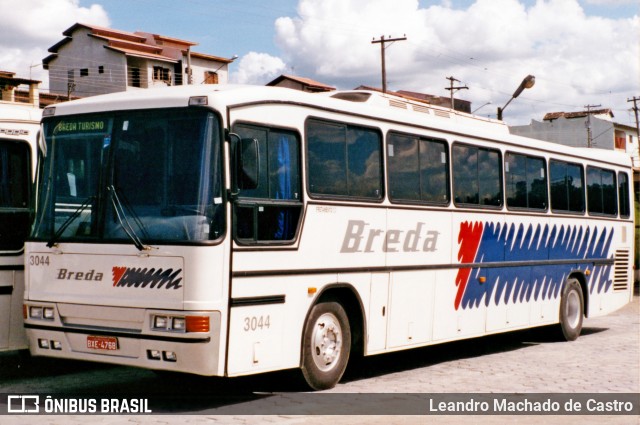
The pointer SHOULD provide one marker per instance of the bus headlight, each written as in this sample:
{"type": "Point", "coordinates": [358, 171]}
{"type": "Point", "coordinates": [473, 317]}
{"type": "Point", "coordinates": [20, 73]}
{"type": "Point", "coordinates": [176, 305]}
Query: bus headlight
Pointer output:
{"type": "Point", "coordinates": [36, 313]}
{"type": "Point", "coordinates": [41, 313]}
{"type": "Point", "coordinates": [47, 313]}
{"type": "Point", "coordinates": [180, 323]}
{"type": "Point", "coordinates": [160, 323]}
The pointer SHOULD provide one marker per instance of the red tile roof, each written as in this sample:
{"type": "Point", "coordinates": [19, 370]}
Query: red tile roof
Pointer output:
{"type": "Point", "coordinates": [581, 114]}
{"type": "Point", "coordinates": [302, 80]}
{"type": "Point", "coordinates": [130, 43]}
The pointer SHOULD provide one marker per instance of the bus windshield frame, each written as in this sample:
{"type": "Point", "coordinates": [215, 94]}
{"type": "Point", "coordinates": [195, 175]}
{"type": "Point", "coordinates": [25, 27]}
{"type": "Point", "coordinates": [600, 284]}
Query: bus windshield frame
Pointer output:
{"type": "Point", "coordinates": [144, 176]}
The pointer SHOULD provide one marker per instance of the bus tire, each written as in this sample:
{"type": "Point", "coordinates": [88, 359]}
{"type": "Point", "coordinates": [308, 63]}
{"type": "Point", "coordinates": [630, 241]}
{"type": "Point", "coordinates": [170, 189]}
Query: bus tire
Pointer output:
{"type": "Point", "coordinates": [571, 310]}
{"type": "Point", "coordinates": [326, 345]}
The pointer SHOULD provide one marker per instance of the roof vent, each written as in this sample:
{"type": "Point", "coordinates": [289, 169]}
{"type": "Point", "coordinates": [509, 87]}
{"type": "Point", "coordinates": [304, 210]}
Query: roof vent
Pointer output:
{"type": "Point", "coordinates": [397, 104]}
{"type": "Point", "coordinates": [352, 96]}
{"type": "Point", "coordinates": [420, 108]}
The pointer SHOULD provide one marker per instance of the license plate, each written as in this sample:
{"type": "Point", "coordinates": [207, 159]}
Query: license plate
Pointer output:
{"type": "Point", "coordinates": [109, 343]}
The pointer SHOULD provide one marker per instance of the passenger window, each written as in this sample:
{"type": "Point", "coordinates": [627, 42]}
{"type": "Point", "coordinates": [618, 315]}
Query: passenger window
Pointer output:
{"type": "Point", "coordinates": [623, 195]}
{"type": "Point", "coordinates": [271, 211]}
{"type": "Point", "coordinates": [601, 191]}
{"type": "Point", "coordinates": [344, 160]}
{"type": "Point", "coordinates": [418, 169]}
{"type": "Point", "coordinates": [476, 176]}
{"type": "Point", "coordinates": [567, 187]}
{"type": "Point", "coordinates": [526, 182]}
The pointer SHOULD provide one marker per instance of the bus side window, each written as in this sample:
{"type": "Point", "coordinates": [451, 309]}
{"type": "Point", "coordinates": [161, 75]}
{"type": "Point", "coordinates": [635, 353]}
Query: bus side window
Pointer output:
{"type": "Point", "coordinates": [271, 211]}
{"type": "Point", "coordinates": [601, 191]}
{"type": "Point", "coordinates": [623, 195]}
{"type": "Point", "coordinates": [476, 176]}
{"type": "Point", "coordinates": [344, 160]}
{"type": "Point", "coordinates": [418, 169]}
{"type": "Point", "coordinates": [526, 182]}
{"type": "Point", "coordinates": [567, 187]}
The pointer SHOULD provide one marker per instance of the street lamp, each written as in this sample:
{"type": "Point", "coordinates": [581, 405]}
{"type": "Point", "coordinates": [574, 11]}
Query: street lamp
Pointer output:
{"type": "Point", "coordinates": [527, 83]}
{"type": "Point", "coordinates": [480, 107]}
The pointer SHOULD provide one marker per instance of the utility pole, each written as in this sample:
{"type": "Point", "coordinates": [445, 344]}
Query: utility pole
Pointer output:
{"type": "Point", "coordinates": [71, 87]}
{"type": "Point", "coordinates": [382, 42]}
{"type": "Point", "coordinates": [454, 89]}
{"type": "Point", "coordinates": [588, 107]}
{"type": "Point", "coordinates": [635, 110]}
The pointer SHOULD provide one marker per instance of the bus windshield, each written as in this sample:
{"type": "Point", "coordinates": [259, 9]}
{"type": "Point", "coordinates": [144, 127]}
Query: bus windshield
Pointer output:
{"type": "Point", "coordinates": [150, 176]}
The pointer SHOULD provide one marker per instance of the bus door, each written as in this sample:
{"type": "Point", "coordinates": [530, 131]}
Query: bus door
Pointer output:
{"type": "Point", "coordinates": [15, 178]}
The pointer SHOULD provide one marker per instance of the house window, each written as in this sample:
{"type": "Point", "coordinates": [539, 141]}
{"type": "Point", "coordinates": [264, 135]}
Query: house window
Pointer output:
{"type": "Point", "coordinates": [101, 69]}
{"type": "Point", "coordinates": [134, 74]}
{"type": "Point", "coordinates": [620, 140]}
{"type": "Point", "coordinates": [161, 74]}
{"type": "Point", "coordinates": [210, 77]}
{"type": "Point", "coordinates": [84, 72]}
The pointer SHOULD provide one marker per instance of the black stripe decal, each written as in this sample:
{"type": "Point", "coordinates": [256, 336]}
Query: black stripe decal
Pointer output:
{"type": "Point", "coordinates": [12, 267]}
{"type": "Point", "coordinates": [249, 301]}
{"type": "Point", "coordinates": [118, 334]}
{"type": "Point", "coordinates": [384, 269]}
{"type": "Point", "coordinates": [6, 290]}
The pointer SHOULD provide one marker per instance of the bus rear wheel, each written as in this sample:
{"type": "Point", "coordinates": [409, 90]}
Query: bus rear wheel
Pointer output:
{"type": "Point", "coordinates": [571, 310]}
{"type": "Point", "coordinates": [326, 345]}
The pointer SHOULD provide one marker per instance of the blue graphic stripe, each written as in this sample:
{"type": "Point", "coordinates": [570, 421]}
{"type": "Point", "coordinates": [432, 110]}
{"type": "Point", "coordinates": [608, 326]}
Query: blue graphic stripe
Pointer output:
{"type": "Point", "coordinates": [535, 242]}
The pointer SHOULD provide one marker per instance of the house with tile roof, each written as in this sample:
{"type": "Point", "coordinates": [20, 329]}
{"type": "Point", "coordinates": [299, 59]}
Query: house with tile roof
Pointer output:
{"type": "Point", "coordinates": [9, 85]}
{"type": "Point", "coordinates": [300, 83]}
{"type": "Point", "coordinates": [92, 60]}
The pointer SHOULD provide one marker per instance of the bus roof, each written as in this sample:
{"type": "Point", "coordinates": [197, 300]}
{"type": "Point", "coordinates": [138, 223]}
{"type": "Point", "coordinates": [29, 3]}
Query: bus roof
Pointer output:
{"type": "Point", "coordinates": [380, 106]}
{"type": "Point", "coordinates": [19, 112]}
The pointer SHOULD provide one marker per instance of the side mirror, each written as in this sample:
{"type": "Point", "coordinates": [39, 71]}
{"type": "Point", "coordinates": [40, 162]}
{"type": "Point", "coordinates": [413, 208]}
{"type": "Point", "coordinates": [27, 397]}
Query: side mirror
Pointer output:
{"type": "Point", "coordinates": [246, 159]}
{"type": "Point", "coordinates": [249, 165]}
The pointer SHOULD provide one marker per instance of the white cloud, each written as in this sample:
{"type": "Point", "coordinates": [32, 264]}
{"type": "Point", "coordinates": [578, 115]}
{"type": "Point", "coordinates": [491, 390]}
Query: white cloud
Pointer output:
{"type": "Point", "coordinates": [491, 45]}
{"type": "Point", "coordinates": [30, 27]}
{"type": "Point", "coordinates": [611, 2]}
{"type": "Point", "coordinates": [258, 68]}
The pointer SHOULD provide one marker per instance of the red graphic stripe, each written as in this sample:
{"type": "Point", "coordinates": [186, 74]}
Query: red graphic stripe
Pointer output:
{"type": "Point", "coordinates": [469, 241]}
{"type": "Point", "coordinates": [117, 273]}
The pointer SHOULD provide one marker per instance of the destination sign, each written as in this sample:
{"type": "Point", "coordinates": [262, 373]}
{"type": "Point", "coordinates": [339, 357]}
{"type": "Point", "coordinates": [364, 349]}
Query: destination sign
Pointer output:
{"type": "Point", "coordinates": [80, 126]}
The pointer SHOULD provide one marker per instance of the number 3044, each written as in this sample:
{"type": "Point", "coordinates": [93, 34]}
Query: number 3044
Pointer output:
{"type": "Point", "coordinates": [38, 260]}
{"type": "Point", "coordinates": [256, 323]}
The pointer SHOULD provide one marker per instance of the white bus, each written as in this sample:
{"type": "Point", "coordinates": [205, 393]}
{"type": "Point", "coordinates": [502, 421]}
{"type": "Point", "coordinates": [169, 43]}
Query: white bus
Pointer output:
{"type": "Point", "coordinates": [227, 231]}
{"type": "Point", "coordinates": [19, 125]}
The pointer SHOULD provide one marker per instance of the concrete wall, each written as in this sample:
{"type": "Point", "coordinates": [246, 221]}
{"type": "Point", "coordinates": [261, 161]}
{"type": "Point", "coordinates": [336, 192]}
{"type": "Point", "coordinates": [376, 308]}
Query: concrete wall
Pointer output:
{"type": "Point", "coordinates": [570, 132]}
{"type": "Point", "coordinates": [200, 66]}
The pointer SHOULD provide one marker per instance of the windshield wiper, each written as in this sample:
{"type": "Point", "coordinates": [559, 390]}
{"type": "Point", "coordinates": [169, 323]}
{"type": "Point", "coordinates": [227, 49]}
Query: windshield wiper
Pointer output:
{"type": "Point", "coordinates": [124, 221]}
{"type": "Point", "coordinates": [69, 220]}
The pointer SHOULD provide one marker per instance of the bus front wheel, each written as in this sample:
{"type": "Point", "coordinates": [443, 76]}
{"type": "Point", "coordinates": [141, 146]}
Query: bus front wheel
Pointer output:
{"type": "Point", "coordinates": [571, 310]}
{"type": "Point", "coordinates": [326, 345]}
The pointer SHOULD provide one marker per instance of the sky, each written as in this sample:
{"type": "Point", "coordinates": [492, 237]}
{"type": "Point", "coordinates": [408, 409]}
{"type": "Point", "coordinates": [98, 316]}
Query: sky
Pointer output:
{"type": "Point", "coordinates": [582, 52]}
